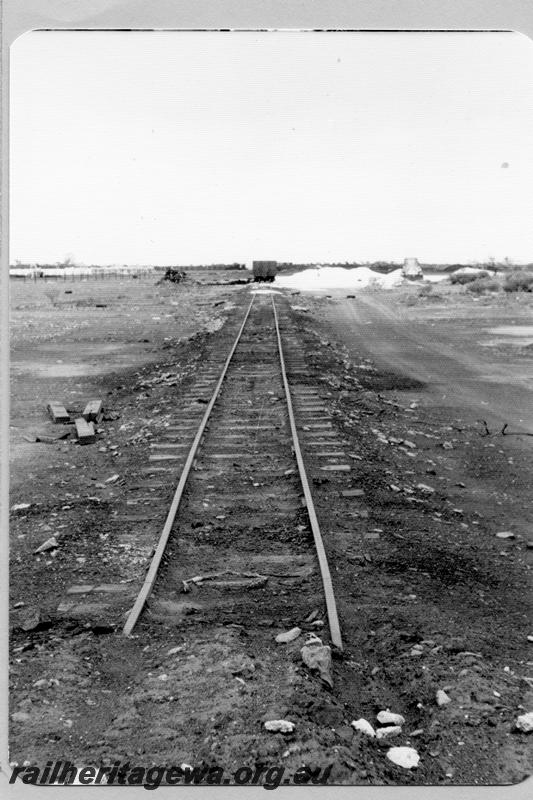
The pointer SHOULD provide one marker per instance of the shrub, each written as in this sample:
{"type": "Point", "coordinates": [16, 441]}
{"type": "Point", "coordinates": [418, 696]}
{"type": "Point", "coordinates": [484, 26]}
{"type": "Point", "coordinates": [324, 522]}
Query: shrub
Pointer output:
{"type": "Point", "coordinates": [520, 281]}
{"type": "Point", "coordinates": [487, 284]}
{"type": "Point", "coordinates": [468, 277]}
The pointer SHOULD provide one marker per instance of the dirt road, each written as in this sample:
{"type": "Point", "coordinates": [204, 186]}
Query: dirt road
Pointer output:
{"type": "Point", "coordinates": [460, 367]}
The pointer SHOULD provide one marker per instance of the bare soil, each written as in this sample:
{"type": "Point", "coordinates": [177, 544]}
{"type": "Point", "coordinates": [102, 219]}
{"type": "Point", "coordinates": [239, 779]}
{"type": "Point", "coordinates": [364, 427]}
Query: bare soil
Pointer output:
{"type": "Point", "coordinates": [429, 597]}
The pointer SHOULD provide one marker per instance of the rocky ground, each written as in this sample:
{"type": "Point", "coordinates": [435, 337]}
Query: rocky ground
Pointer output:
{"type": "Point", "coordinates": [430, 557]}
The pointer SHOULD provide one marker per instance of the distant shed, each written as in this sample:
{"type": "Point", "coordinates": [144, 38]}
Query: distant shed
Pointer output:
{"type": "Point", "coordinates": [412, 269]}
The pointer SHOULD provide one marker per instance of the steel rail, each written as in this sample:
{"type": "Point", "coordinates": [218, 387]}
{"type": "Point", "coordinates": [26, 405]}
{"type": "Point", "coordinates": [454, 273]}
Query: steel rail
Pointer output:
{"type": "Point", "coordinates": [151, 574]}
{"type": "Point", "coordinates": [331, 605]}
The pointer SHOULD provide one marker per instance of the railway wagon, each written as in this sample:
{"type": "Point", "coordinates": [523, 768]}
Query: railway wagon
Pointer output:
{"type": "Point", "coordinates": [264, 270]}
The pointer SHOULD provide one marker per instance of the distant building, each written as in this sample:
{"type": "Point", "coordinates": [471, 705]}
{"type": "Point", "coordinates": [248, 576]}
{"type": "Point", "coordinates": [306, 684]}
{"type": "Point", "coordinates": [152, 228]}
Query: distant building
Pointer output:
{"type": "Point", "coordinates": [412, 269]}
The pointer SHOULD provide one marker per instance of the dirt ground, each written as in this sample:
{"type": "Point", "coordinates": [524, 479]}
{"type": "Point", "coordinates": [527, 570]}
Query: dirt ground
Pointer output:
{"type": "Point", "coordinates": [430, 598]}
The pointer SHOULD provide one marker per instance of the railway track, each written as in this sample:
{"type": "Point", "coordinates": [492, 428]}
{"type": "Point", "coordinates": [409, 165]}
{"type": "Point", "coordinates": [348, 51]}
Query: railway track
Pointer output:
{"type": "Point", "coordinates": [242, 531]}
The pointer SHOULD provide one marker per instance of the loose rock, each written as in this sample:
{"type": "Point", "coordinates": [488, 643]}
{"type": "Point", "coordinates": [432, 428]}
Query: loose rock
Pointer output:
{"type": "Point", "coordinates": [525, 722]}
{"type": "Point", "coordinates": [20, 716]}
{"type": "Point", "coordinates": [506, 535]}
{"type": "Point", "coordinates": [317, 656]}
{"type": "Point", "coordinates": [390, 730]}
{"type": "Point", "coordinates": [364, 726]}
{"type": "Point", "coordinates": [20, 506]}
{"type": "Point", "coordinates": [389, 718]}
{"type": "Point", "coordinates": [50, 544]}
{"type": "Point", "coordinates": [405, 757]}
{"type": "Point", "coordinates": [31, 620]}
{"type": "Point", "coordinates": [279, 726]}
{"type": "Point", "coordinates": [442, 698]}
{"type": "Point", "coordinates": [288, 636]}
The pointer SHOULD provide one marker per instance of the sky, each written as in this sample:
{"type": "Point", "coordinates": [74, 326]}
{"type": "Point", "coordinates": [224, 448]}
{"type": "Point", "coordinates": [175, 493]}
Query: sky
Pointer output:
{"type": "Point", "coordinates": [202, 147]}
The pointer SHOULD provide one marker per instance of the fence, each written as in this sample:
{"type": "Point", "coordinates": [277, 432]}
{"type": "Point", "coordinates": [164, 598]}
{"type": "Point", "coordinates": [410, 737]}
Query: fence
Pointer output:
{"type": "Point", "coordinates": [64, 275]}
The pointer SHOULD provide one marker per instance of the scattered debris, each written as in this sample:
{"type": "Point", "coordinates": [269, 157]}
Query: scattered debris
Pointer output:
{"type": "Point", "coordinates": [85, 431]}
{"type": "Point", "coordinates": [288, 636]}
{"type": "Point", "coordinates": [50, 544]}
{"type": "Point", "coordinates": [364, 726]}
{"type": "Point", "coordinates": [174, 650]}
{"type": "Point", "coordinates": [248, 580]}
{"type": "Point", "coordinates": [42, 682]}
{"type": "Point", "coordinates": [279, 726]}
{"type": "Point", "coordinates": [525, 722]}
{"type": "Point", "coordinates": [20, 716]}
{"type": "Point", "coordinates": [93, 411]}
{"type": "Point", "coordinates": [405, 757]}
{"type": "Point", "coordinates": [442, 698]}
{"type": "Point", "coordinates": [31, 620]}
{"type": "Point", "coordinates": [51, 438]}
{"type": "Point", "coordinates": [20, 507]}
{"type": "Point", "coordinates": [58, 412]}
{"type": "Point", "coordinates": [389, 730]}
{"type": "Point", "coordinates": [388, 718]}
{"type": "Point", "coordinates": [316, 655]}
{"type": "Point", "coordinates": [353, 493]}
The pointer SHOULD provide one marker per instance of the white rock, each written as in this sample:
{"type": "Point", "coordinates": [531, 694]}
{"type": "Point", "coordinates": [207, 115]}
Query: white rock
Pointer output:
{"type": "Point", "coordinates": [505, 535]}
{"type": "Point", "coordinates": [113, 478]}
{"type": "Point", "coordinates": [390, 730]}
{"type": "Point", "coordinates": [529, 638]}
{"type": "Point", "coordinates": [406, 757]}
{"type": "Point", "coordinates": [288, 636]}
{"type": "Point", "coordinates": [20, 716]}
{"type": "Point", "coordinates": [425, 488]}
{"type": "Point", "coordinates": [279, 726]}
{"type": "Point", "coordinates": [318, 656]}
{"type": "Point", "coordinates": [50, 544]}
{"type": "Point", "coordinates": [364, 726]}
{"type": "Point", "coordinates": [20, 506]}
{"type": "Point", "coordinates": [525, 722]}
{"type": "Point", "coordinates": [442, 698]}
{"type": "Point", "coordinates": [389, 718]}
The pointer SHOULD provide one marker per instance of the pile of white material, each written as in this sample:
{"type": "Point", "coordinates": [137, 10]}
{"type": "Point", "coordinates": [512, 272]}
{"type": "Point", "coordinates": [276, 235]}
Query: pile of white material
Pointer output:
{"type": "Point", "coordinates": [318, 278]}
{"type": "Point", "coordinates": [468, 271]}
